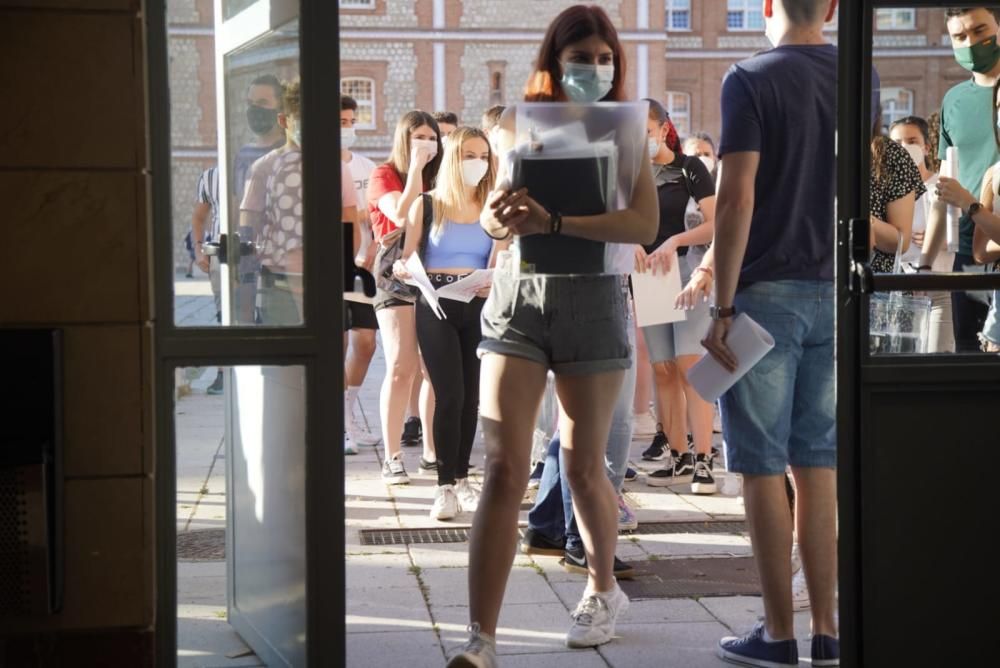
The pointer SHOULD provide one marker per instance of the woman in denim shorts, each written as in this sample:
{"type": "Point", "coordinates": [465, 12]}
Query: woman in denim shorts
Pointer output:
{"type": "Point", "coordinates": [573, 325]}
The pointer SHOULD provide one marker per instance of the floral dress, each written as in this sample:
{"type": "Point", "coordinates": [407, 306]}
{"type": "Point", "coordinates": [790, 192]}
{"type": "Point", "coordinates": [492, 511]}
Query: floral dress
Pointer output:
{"type": "Point", "coordinates": [900, 177]}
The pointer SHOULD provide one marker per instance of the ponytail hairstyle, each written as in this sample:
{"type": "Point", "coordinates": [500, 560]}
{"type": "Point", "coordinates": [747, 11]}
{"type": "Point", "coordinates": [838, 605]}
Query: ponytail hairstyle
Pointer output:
{"type": "Point", "coordinates": [574, 24]}
{"type": "Point", "coordinates": [659, 115]}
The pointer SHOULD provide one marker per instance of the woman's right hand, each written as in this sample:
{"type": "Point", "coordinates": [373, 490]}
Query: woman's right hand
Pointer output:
{"type": "Point", "coordinates": [640, 259]}
{"type": "Point", "coordinates": [420, 155]}
{"type": "Point", "coordinates": [400, 271]}
{"type": "Point", "coordinates": [917, 239]}
{"type": "Point", "coordinates": [697, 291]}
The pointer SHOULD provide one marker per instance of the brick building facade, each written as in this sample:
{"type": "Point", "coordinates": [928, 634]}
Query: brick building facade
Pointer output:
{"type": "Point", "coordinates": [466, 55]}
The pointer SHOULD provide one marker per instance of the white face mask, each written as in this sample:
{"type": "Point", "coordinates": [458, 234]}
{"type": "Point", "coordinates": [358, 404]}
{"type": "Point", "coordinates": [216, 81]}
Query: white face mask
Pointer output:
{"type": "Point", "coordinates": [654, 147]}
{"type": "Point", "coordinates": [707, 161]}
{"type": "Point", "coordinates": [429, 144]}
{"type": "Point", "coordinates": [917, 153]}
{"type": "Point", "coordinates": [473, 171]}
{"type": "Point", "coordinates": [347, 137]}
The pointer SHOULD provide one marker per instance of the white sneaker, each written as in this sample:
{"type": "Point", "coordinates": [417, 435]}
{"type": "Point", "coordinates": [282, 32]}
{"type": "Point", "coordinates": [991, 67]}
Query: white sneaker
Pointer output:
{"type": "Point", "coordinates": [349, 446]}
{"type": "Point", "coordinates": [595, 617]}
{"type": "Point", "coordinates": [445, 503]}
{"type": "Point", "coordinates": [357, 430]}
{"type": "Point", "coordinates": [468, 497]}
{"type": "Point", "coordinates": [480, 651]}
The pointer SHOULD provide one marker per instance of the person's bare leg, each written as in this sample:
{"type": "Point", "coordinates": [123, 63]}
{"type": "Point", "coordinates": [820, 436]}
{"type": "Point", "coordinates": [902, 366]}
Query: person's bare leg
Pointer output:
{"type": "Point", "coordinates": [816, 525]}
{"type": "Point", "coordinates": [413, 403]}
{"type": "Point", "coordinates": [427, 412]}
{"type": "Point", "coordinates": [672, 403]}
{"type": "Point", "coordinates": [359, 356]}
{"type": "Point", "coordinates": [770, 525]}
{"type": "Point", "coordinates": [584, 424]}
{"type": "Point", "coordinates": [643, 375]}
{"type": "Point", "coordinates": [510, 397]}
{"type": "Point", "coordinates": [700, 413]}
{"type": "Point", "coordinates": [399, 341]}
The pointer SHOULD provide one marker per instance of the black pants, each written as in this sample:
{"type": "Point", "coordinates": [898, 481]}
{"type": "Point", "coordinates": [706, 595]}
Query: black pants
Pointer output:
{"type": "Point", "coordinates": [968, 314]}
{"type": "Point", "coordinates": [449, 351]}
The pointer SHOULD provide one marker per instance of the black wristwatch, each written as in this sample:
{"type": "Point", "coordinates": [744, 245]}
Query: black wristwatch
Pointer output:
{"type": "Point", "coordinates": [722, 312]}
{"type": "Point", "coordinates": [974, 209]}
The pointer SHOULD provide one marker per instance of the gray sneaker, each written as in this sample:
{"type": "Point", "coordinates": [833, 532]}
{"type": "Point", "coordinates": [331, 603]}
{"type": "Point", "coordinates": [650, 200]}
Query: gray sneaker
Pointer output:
{"type": "Point", "coordinates": [479, 652]}
{"type": "Point", "coordinates": [394, 473]}
{"type": "Point", "coordinates": [594, 619]}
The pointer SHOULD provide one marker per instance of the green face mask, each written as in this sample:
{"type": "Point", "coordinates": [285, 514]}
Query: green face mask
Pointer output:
{"type": "Point", "coordinates": [979, 58]}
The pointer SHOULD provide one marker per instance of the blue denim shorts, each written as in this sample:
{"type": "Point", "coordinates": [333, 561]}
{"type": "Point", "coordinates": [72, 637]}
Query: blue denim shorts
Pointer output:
{"type": "Point", "coordinates": [991, 329]}
{"type": "Point", "coordinates": [783, 411]}
{"type": "Point", "coordinates": [570, 324]}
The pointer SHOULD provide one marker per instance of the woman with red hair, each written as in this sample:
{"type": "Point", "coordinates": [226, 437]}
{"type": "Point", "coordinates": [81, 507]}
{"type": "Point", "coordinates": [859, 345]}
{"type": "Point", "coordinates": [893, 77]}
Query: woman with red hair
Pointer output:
{"type": "Point", "coordinates": [574, 325]}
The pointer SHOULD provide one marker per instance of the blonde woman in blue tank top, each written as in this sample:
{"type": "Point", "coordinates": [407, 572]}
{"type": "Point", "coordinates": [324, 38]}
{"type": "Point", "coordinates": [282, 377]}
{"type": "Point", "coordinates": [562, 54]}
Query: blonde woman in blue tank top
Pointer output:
{"type": "Point", "coordinates": [443, 227]}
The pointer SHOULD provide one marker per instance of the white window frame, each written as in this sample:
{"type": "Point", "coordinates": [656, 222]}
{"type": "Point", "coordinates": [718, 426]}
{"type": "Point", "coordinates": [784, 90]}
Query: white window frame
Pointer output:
{"type": "Point", "coordinates": [676, 115]}
{"type": "Point", "coordinates": [891, 93]}
{"type": "Point", "coordinates": [745, 8]}
{"type": "Point", "coordinates": [678, 6]}
{"type": "Point", "coordinates": [894, 18]}
{"type": "Point", "coordinates": [357, 4]}
{"type": "Point", "coordinates": [370, 103]}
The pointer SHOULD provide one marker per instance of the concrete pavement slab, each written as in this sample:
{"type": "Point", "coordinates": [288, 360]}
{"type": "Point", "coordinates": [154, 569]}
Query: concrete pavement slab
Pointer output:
{"type": "Point", "coordinates": [378, 571]}
{"type": "Point", "coordinates": [685, 645]}
{"type": "Point", "coordinates": [412, 649]}
{"type": "Point", "coordinates": [393, 609]}
{"type": "Point", "coordinates": [448, 587]}
{"type": "Point", "coordinates": [522, 629]}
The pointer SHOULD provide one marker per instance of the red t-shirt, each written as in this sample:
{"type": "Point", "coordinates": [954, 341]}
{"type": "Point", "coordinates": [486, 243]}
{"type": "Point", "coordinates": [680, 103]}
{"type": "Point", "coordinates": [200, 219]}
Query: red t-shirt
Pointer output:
{"type": "Point", "coordinates": [383, 180]}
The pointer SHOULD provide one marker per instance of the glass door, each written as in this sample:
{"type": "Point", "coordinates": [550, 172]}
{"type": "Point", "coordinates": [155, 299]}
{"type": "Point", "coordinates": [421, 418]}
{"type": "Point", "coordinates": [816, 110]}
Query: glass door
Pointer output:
{"type": "Point", "coordinates": [915, 438]}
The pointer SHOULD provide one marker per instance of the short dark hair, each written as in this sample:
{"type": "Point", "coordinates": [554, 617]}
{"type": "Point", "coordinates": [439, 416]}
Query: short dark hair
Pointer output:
{"type": "Point", "coordinates": [491, 117]}
{"type": "Point", "coordinates": [348, 102]}
{"type": "Point", "coordinates": [805, 11]}
{"type": "Point", "coordinates": [448, 117]}
{"type": "Point", "coordinates": [952, 12]}
{"type": "Point", "coordinates": [272, 81]}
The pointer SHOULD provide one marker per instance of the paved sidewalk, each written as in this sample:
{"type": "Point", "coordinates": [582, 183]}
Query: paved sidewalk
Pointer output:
{"type": "Point", "coordinates": [407, 605]}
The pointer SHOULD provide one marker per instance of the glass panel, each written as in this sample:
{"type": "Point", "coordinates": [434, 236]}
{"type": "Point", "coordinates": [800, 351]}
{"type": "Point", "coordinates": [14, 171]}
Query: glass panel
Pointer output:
{"type": "Point", "coordinates": [231, 8]}
{"type": "Point", "coordinates": [916, 89]}
{"type": "Point", "coordinates": [240, 443]}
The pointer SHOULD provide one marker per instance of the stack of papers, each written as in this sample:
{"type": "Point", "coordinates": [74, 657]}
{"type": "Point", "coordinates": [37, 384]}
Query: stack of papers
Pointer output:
{"type": "Point", "coordinates": [463, 290]}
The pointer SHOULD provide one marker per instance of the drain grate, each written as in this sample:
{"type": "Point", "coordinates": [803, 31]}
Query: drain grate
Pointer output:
{"type": "Point", "coordinates": [711, 526]}
{"type": "Point", "coordinates": [684, 578]}
{"type": "Point", "coordinates": [460, 535]}
{"type": "Point", "coordinates": [202, 545]}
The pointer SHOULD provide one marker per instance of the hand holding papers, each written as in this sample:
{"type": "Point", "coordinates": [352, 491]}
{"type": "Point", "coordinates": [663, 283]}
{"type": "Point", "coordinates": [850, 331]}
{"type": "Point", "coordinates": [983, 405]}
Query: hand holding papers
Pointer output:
{"type": "Point", "coordinates": [655, 294]}
{"type": "Point", "coordinates": [748, 341]}
{"type": "Point", "coordinates": [418, 278]}
{"type": "Point", "coordinates": [466, 289]}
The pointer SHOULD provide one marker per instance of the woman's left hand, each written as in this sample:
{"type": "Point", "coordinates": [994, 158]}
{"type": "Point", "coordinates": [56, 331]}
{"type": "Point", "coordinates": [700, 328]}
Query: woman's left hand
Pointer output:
{"type": "Point", "coordinates": [660, 260]}
{"type": "Point", "coordinates": [951, 192]}
{"type": "Point", "coordinates": [400, 271]}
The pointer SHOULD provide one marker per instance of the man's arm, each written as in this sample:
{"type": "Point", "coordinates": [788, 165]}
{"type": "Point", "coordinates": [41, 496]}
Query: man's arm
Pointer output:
{"type": "Point", "coordinates": [202, 211]}
{"type": "Point", "coordinates": [733, 215]}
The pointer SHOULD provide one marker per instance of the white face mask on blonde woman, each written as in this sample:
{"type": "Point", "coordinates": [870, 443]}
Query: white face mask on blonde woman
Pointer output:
{"type": "Point", "coordinates": [473, 171]}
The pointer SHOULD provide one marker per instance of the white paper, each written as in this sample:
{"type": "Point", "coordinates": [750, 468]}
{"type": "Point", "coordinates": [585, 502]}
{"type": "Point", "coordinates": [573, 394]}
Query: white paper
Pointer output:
{"type": "Point", "coordinates": [949, 168]}
{"type": "Point", "coordinates": [465, 289]}
{"type": "Point", "coordinates": [655, 295]}
{"type": "Point", "coordinates": [418, 278]}
{"type": "Point", "coordinates": [749, 343]}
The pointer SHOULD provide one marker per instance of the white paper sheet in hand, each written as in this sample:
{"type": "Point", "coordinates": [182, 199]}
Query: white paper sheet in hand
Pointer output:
{"type": "Point", "coordinates": [655, 295]}
{"type": "Point", "coordinates": [465, 290]}
{"type": "Point", "coordinates": [749, 343]}
{"type": "Point", "coordinates": [418, 277]}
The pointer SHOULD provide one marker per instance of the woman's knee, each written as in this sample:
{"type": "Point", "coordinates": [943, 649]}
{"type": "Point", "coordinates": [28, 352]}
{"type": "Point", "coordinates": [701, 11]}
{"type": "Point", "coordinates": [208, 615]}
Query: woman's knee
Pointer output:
{"type": "Point", "coordinates": [583, 472]}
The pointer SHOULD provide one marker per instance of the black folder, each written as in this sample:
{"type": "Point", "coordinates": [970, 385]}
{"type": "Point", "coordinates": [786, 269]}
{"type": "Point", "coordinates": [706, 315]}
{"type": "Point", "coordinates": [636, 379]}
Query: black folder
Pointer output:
{"type": "Point", "coordinates": [575, 186]}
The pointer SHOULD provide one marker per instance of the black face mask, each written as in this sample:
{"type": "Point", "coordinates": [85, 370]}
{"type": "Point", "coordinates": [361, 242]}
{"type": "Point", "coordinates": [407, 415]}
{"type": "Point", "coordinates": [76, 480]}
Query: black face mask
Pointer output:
{"type": "Point", "coordinates": [261, 120]}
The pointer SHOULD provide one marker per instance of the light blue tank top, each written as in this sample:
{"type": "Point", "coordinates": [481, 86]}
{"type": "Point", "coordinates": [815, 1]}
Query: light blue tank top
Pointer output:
{"type": "Point", "coordinates": [457, 245]}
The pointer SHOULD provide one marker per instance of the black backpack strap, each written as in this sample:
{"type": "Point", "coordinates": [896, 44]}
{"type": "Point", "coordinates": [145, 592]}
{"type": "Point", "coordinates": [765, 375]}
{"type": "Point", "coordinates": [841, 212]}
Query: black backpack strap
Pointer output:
{"type": "Point", "coordinates": [428, 223]}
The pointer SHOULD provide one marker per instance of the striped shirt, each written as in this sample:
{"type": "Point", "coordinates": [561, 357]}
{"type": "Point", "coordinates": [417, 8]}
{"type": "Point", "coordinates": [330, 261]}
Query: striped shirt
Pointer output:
{"type": "Point", "coordinates": [208, 193]}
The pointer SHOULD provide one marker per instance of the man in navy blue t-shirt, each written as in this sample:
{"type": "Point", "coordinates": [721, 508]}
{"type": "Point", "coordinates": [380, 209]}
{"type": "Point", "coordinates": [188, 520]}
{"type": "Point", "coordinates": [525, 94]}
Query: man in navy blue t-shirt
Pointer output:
{"type": "Point", "coordinates": [774, 259]}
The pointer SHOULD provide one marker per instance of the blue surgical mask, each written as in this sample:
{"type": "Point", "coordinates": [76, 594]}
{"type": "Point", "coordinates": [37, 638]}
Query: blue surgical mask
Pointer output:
{"type": "Point", "coordinates": [587, 83]}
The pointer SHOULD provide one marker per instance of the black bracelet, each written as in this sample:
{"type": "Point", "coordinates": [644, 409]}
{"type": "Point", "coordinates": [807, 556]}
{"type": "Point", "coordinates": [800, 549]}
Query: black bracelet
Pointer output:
{"type": "Point", "coordinates": [555, 223]}
{"type": "Point", "coordinates": [503, 238]}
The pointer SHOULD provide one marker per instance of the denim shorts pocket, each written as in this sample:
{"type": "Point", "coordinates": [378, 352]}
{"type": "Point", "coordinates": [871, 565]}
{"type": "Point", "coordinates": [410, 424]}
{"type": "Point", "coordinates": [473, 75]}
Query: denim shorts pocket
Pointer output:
{"type": "Point", "coordinates": [596, 300]}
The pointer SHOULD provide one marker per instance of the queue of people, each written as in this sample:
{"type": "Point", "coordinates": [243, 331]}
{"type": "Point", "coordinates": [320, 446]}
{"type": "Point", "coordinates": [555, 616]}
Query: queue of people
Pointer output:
{"type": "Point", "coordinates": [443, 201]}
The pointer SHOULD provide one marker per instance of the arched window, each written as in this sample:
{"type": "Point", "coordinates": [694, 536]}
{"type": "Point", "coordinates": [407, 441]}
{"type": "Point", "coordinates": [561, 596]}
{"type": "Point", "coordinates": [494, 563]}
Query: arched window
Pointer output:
{"type": "Point", "coordinates": [362, 89]}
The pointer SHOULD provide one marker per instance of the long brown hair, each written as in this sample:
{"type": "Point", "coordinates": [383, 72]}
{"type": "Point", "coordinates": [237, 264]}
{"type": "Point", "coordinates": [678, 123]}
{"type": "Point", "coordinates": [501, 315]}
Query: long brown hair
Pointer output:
{"type": "Point", "coordinates": [400, 156]}
{"type": "Point", "coordinates": [879, 142]}
{"type": "Point", "coordinates": [574, 24]}
{"type": "Point", "coordinates": [449, 193]}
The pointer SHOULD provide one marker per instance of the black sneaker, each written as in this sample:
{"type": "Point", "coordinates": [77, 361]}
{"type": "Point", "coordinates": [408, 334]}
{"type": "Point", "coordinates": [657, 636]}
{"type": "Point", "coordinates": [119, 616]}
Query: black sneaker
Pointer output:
{"type": "Point", "coordinates": [676, 469]}
{"type": "Point", "coordinates": [702, 481]}
{"type": "Point", "coordinates": [413, 433]}
{"type": "Point", "coordinates": [658, 448]}
{"type": "Point", "coordinates": [540, 544]}
{"type": "Point", "coordinates": [575, 561]}
{"type": "Point", "coordinates": [535, 480]}
{"type": "Point", "coordinates": [631, 474]}
{"type": "Point", "coordinates": [427, 466]}
{"type": "Point", "coordinates": [216, 387]}
{"type": "Point", "coordinates": [394, 473]}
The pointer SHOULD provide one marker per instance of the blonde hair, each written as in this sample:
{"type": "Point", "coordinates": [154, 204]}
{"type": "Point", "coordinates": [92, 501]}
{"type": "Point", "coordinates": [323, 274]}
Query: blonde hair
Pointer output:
{"type": "Point", "coordinates": [449, 192]}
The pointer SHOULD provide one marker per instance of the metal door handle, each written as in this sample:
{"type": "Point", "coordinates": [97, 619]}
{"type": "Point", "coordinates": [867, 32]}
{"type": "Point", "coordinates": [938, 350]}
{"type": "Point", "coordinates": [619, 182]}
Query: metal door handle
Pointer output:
{"type": "Point", "coordinates": [859, 239]}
